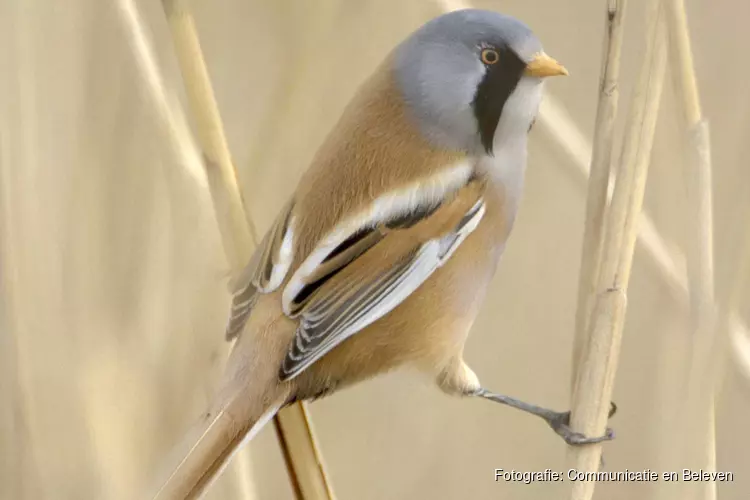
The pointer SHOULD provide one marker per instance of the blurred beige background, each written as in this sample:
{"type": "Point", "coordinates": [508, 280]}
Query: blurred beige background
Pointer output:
{"type": "Point", "coordinates": [114, 280]}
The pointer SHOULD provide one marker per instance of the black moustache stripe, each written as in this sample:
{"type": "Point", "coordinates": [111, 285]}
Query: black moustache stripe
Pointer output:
{"type": "Point", "coordinates": [493, 91]}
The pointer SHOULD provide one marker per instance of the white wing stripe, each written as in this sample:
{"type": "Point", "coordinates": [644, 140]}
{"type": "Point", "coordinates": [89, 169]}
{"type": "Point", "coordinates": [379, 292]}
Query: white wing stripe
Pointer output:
{"type": "Point", "coordinates": [468, 228]}
{"type": "Point", "coordinates": [393, 296]}
{"type": "Point", "coordinates": [394, 204]}
{"type": "Point", "coordinates": [281, 267]}
{"type": "Point", "coordinates": [424, 265]}
{"type": "Point", "coordinates": [392, 276]}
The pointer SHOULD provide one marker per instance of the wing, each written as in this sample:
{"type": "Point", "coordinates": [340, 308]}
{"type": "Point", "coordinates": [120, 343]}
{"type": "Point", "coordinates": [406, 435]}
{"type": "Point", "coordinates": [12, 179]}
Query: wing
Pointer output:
{"type": "Point", "coordinates": [265, 272]}
{"type": "Point", "coordinates": [373, 270]}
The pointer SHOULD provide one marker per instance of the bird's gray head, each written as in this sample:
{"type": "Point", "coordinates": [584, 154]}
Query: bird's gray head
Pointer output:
{"type": "Point", "coordinates": [472, 79]}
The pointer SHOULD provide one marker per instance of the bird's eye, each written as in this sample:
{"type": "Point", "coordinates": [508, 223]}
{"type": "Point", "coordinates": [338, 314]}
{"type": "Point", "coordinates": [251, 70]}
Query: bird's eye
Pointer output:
{"type": "Point", "coordinates": [490, 56]}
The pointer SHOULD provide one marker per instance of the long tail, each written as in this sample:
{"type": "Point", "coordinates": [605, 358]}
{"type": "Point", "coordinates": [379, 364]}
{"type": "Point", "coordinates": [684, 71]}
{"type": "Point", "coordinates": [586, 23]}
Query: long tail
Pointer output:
{"type": "Point", "coordinates": [249, 397]}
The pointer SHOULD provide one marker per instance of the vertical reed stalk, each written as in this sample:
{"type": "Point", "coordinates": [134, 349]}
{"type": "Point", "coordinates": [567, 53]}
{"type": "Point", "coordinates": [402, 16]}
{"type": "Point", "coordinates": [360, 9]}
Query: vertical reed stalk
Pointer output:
{"type": "Point", "coordinates": [598, 185]}
{"type": "Point", "coordinates": [600, 355]}
{"type": "Point", "coordinates": [693, 442]}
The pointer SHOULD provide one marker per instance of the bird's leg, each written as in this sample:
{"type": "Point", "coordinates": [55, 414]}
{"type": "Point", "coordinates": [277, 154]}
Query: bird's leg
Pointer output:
{"type": "Point", "coordinates": [458, 378]}
{"type": "Point", "coordinates": [559, 421]}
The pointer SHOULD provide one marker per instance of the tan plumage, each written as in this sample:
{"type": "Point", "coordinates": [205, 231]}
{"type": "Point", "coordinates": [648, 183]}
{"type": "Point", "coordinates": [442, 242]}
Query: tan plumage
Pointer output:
{"type": "Point", "coordinates": [384, 253]}
{"type": "Point", "coordinates": [428, 329]}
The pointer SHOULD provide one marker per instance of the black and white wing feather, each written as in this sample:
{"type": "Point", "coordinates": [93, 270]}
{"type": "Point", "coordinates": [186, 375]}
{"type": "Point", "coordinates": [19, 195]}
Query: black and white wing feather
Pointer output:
{"type": "Point", "coordinates": [265, 272]}
{"type": "Point", "coordinates": [372, 271]}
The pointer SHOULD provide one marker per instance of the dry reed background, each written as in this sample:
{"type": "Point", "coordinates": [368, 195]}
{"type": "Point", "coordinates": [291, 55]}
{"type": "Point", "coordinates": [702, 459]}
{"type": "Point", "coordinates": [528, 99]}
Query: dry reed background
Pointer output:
{"type": "Point", "coordinates": [114, 281]}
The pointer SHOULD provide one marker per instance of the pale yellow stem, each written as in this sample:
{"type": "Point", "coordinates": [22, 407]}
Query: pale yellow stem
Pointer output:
{"type": "Point", "coordinates": [599, 174]}
{"type": "Point", "coordinates": [599, 358]}
{"type": "Point", "coordinates": [693, 442]}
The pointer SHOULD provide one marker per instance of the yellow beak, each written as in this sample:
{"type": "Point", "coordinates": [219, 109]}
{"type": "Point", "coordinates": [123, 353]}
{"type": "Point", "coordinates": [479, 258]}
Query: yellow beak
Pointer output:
{"type": "Point", "coordinates": [543, 65]}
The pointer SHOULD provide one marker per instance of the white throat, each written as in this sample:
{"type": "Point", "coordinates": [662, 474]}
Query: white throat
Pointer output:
{"type": "Point", "coordinates": [508, 163]}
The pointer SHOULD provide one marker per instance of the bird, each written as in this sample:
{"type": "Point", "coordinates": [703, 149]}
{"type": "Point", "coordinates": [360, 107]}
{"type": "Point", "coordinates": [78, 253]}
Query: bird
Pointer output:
{"type": "Point", "coordinates": [383, 255]}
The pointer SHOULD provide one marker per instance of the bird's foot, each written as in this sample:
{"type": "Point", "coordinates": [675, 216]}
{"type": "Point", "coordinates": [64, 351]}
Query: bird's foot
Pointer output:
{"type": "Point", "coordinates": [560, 423]}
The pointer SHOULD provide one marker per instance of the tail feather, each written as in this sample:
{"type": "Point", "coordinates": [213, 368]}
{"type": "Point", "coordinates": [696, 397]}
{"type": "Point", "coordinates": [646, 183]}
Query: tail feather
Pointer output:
{"type": "Point", "coordinates": [250, 396]}
{"type": "Point", "coordinates": [209, 448]}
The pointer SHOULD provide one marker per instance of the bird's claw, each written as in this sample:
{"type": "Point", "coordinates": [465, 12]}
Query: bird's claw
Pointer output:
{"type": "Point", "coordinates": [560, 423]}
